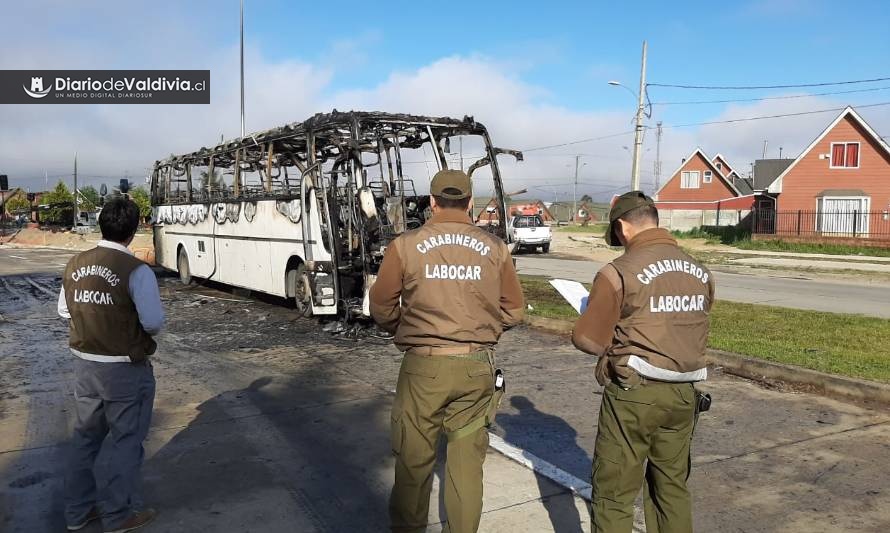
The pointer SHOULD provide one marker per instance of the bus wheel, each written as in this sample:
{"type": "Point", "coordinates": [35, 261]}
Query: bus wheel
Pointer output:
{"type": "Point", "coordinates": [300, 288]}
{"type": "Point", "coordinates": [182, 265]}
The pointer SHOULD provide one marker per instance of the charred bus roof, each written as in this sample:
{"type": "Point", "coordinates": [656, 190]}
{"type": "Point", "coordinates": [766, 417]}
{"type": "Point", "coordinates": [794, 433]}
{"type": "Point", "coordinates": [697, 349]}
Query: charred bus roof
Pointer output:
{"type": "Point", "coordinates": [333, 134]}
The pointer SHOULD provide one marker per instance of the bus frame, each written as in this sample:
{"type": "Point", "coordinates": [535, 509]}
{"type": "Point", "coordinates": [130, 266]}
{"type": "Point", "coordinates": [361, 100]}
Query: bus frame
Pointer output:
{"type": "Point", "coordinates": [312, 176]}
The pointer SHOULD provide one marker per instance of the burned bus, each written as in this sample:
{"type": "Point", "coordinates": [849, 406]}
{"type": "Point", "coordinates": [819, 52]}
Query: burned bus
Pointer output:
{"type": "Point", "coordinates": [305, 211]}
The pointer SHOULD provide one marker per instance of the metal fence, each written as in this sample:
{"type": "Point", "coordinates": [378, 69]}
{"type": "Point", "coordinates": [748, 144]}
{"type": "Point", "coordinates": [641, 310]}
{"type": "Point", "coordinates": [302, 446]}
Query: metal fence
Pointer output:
{"type": "Point", "coordinates": [857, 224]}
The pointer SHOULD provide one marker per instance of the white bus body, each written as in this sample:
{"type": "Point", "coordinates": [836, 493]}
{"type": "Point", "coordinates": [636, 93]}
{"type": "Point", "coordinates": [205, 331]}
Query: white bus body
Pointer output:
{"type": "Point", "coordinates": [325, 198]}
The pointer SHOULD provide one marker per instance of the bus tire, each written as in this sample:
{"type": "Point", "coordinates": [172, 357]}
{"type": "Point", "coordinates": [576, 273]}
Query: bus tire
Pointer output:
{"type": "Point", "coordinates": [182, 266]}
{"type": "Point", "coordinates": [300, 289]}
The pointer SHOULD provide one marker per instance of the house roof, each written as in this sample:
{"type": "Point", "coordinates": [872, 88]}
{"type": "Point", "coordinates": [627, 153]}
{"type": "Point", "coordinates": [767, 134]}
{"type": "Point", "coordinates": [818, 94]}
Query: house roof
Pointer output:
{"type": "Point", "coordinates": [767, 170]}
{"type": "Point", "coordinates": [841, 192]}
{"type": "Point", "coordinates": [709, 162]}
{"type": "Point", "coordinates": [743, 185]}
{"type": "Point", "coordinates": [776, 185]}
{"type": "Point", "coordinates": [725, 162]}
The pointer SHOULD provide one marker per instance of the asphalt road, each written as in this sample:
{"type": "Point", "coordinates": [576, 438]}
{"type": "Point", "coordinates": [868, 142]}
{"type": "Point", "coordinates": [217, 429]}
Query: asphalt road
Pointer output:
{"type": "Point", "coordinates": [799, 292]}
{"type": "Point", "coordinates": [264, 422]}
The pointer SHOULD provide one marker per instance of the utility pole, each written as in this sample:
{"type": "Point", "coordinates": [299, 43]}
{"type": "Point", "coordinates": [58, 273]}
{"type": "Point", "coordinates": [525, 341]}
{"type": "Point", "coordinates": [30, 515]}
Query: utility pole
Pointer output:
{"type": "Point", "coordinates": [575, 187]}
{"type": "Point", "coordinates": [242, 68]}
{"type": "Point", "coordinates": [638, 137]}
{"type": "Point", "coordinates": [658, 155]}
{"type": "Point", "coordinates": [765, 142]}
{"type": "Point", "coordinates": [76, 210]}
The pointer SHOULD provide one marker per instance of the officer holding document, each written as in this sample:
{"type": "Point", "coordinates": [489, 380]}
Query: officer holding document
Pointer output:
{"type": "Point", "coordinates": [647, 320]}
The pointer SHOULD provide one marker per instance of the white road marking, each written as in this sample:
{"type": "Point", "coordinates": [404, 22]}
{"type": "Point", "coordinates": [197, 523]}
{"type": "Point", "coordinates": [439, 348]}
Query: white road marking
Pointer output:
{"type": "Point", "coordinates": [540, 466]}
{"type": "Point", "coordinates": [18, 257]}
{"type": "Point", "coordinates": [553, 473]}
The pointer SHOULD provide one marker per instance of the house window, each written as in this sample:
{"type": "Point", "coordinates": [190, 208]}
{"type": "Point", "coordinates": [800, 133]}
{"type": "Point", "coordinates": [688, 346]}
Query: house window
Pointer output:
{"type": "Point", "coordinates": [719, 166]}
{"type": "Point", "coordinates": [842, 215]}
{"type": "Point", "coordinates": [689, 180]}
{"type": "Point", "coordinates": [707, 177]}
{"type": "Point", "coordinates": [844, 155]}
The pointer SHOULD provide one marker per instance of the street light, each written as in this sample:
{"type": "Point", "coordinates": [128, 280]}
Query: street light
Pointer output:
{"type": "Point", "coordinates": [578, 166]}
{"type": "Point", "coordinates": [638, 133]}
{"type": "Point", "coordinates": [614, 83]}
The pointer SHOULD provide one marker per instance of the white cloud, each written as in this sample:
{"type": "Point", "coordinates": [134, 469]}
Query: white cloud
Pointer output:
{"type": "Point", "coordinates": [113, 139]}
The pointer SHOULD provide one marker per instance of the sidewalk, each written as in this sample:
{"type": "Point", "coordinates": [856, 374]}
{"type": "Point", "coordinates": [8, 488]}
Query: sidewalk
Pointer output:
{"type": "Point", "coordinates": [801, 263]}
{"type": "Point", "coordinates": [518, 500]}
{"type": "Point", "coordinates": [770, 253]}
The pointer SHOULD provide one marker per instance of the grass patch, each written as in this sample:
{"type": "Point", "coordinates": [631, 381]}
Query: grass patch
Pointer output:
{"type": "Point", "coordinates": [596, 229]}
{"type": "Point", "coordinates": [812, 248]}
{"type": "Point", "coordinates": [544, 299]}
{"type": "Point", "coordinates": [848, 345]}
{"type": "Point", "coordinates": [741, 239]}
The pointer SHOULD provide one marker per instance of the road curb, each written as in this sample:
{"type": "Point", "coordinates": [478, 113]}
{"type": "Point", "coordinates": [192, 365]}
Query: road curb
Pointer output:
{"type": "Point", "coordinates": [820, 382]}
{"type": "Point", "coordinates": [558, 326]}
{"type": "Point", "coordinates": [762, 370]}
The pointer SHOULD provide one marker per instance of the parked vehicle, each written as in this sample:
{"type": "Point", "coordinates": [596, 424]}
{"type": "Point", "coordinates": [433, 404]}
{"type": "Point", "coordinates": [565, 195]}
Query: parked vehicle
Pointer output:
{"type": "Point", "coordinates": [530, 232]}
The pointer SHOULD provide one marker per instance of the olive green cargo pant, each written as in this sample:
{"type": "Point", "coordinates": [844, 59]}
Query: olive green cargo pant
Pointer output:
{"type": "Point", "coordinates": [653, 421]}
{"type": "Point", "coordinates": [436, 393]}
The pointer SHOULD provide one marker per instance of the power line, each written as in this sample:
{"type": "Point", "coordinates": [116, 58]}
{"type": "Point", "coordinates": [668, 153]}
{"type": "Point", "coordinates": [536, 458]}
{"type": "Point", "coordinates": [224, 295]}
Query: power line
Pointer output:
{"type": "Point", "coordinates": [746, 119]}
{"type": "Point", "coordinates": [745, 87]}
{"type": "Point", "coordinates": [771, 97]}
{"type": "Point", "coordinates": [569, 143]}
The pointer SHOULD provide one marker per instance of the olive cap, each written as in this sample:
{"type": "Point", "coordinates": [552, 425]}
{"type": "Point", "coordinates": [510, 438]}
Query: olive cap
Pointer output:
{"type": "Point", "coordinates": [621, 206]}
{"type": "Point", "coordinates": [451, 184]}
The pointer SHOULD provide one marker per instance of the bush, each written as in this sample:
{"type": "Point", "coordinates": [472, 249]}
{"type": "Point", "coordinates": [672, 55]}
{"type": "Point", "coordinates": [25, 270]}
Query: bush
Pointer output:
{"type": "Point", "coordinates": [716, 234]}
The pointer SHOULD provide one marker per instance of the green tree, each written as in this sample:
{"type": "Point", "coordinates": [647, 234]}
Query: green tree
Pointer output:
{"type": "Point", "coordinates": [18, 204]}
{"type": "Point", "coordinates": [143, 200]}
{"type": "Point", "coordinates": [89, 198]}
{"type": "Point", "coordinates": [61, 203]}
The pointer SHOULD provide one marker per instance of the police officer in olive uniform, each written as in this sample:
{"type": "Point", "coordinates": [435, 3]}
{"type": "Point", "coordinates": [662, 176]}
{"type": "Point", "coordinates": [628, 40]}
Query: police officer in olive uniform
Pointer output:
{"type": "Point", "coordinates": [647, 320]}
{"type": "Point", "coordinates": [447, 291]}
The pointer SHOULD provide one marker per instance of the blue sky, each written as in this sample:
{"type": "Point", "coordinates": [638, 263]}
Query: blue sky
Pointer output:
{"type": "Point", "coordinates": [571, 49]}
{"type": "Point", "coordinates": [534, 72]}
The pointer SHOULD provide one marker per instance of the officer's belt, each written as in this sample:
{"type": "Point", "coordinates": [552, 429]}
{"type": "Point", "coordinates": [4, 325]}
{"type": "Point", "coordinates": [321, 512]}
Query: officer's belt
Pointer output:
{"type": "Point", "coordinates": [457, 350]}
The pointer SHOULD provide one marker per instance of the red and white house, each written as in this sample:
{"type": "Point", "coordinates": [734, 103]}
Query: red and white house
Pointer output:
{"type": "Point", "coordinates": [701, 190]}
{"type": "Point", "coordinates": [839, 185]}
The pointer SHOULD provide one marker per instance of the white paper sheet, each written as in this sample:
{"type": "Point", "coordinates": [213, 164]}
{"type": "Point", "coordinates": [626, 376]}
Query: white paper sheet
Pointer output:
{"type": "Point", "coordinates": [573, 292]}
